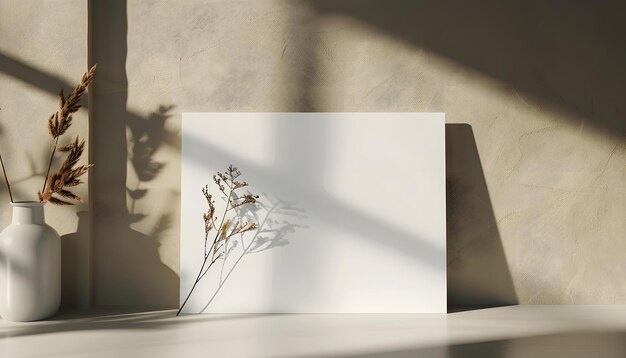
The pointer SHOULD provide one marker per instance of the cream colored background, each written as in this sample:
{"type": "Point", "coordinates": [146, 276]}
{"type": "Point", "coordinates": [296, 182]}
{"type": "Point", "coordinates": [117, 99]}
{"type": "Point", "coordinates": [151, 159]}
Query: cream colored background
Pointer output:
{"type": "Point", "coordinates": [536, 185]}
{"type": "Point", "coordinates": [43, 48]}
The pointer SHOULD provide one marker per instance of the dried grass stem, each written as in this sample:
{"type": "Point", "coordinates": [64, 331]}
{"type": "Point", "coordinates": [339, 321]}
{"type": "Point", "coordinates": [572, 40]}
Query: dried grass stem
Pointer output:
{"type": "Point", "coordinates": [6, 179]}
{"type": "Point", "coordinates": [67, 175]}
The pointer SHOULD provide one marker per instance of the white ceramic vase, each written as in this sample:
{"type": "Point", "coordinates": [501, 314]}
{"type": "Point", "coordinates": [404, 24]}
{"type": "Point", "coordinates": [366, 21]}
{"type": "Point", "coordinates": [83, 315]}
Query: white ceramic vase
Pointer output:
{"type": "Point", "coordinates": [30, 265]}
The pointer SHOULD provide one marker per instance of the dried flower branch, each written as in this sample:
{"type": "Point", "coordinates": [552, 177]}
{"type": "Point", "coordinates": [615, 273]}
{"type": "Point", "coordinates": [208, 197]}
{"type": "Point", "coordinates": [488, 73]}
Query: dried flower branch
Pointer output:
{"type": "Point", "coordinates": [228, 226]}
{"type": "Point", "coordinates": [269, 233]}
{"type": "Point", "coordinates": [67, 175]}
{"type": "Point", "coordinates": [246, 199]}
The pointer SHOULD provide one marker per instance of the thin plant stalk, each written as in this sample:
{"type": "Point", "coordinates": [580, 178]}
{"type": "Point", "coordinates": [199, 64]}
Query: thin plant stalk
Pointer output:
{"type": "Point", "coordinates": [206, 256]}
{"type": "Point", "coordinates": [54, 151]}
{"type": "Point", "coordinates": [6, 178]}
{"type": "Point", "coordinates": [197, 280]}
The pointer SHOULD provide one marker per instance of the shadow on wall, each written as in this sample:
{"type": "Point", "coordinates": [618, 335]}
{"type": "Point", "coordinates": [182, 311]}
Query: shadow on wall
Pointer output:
{"type": "Point", "coordinates": [478, 273]}
{"type": "Point", "coordinates": [36, 78]}
{"type": "Point", "coordinates": [127, 267]}
{"type": "Point", "coordinates": [566, 54]}
{"type": "Point", "coordinates": [73, 275]}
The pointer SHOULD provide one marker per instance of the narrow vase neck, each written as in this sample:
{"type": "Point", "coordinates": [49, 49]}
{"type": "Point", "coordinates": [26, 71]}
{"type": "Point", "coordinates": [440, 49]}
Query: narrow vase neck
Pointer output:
{"type": "Point", "coordinates": [28, 213]}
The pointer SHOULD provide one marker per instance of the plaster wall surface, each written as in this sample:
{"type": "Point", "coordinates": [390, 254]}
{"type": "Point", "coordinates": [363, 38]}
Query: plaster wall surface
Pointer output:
{"type": "Point", "coordinates": [537, 202]}
{"type": "Point", "coordinates": [43, 49]}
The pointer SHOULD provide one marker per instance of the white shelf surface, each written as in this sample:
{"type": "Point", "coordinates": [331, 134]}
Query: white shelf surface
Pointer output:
{"type": "Point", "coordinates": [514, 331]}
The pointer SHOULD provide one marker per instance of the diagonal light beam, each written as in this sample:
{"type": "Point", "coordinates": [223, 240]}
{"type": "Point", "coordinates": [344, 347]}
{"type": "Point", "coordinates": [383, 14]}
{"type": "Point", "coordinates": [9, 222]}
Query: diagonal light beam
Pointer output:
{"type": "Point", "coordinates": [368, 226]}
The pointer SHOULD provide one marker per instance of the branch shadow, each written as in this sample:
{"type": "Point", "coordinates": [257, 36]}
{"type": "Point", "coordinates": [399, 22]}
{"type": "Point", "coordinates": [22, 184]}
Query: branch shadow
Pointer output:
{"type": "Point", "coordinates": [146, 137]}
{"type": "Point", "coordinates": [275, 231]}
{"type": "Point", "coordinates": [569, 55]}
{"type": "Point", "coordinates": [34, 77]}
{"type": "Point", "coordinates": [478, 273]}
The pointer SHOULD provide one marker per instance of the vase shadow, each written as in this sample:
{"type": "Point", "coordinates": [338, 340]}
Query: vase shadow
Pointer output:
{"type": "Point", "coordinates": [131, 215]}
{"type": "Point", "coordinates": [75, 265]}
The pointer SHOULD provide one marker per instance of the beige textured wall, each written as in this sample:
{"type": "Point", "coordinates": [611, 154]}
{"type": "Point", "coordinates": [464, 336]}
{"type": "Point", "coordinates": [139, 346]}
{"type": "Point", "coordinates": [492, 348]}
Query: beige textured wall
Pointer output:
{"type": "Point", "coordinates": [536, 176]}
{"type": "Point", "coordinates": [43, 48]}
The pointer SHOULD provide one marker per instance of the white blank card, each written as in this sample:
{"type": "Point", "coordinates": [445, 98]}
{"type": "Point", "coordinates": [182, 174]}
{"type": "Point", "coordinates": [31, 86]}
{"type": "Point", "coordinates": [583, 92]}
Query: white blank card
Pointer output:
{"type": "Point", "coordinates": [351, 212]}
